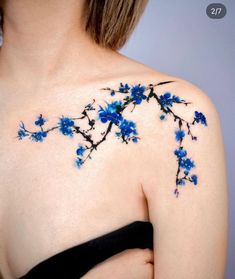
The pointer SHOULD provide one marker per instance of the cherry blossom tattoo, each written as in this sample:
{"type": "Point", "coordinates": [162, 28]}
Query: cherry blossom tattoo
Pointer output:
{"type": "Point", "coordinates": [111, 115]}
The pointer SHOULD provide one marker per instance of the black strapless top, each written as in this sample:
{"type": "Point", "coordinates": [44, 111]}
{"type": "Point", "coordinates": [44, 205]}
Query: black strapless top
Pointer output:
{"type": "Point", "coordinates": [76, 261]}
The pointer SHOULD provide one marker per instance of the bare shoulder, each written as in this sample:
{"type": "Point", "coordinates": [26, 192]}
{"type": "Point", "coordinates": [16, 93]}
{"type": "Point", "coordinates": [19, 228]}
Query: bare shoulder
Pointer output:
{"type": "Point", "coordinates": [184, 179]}
{"type": "Point", "coordinates": [180, 114]}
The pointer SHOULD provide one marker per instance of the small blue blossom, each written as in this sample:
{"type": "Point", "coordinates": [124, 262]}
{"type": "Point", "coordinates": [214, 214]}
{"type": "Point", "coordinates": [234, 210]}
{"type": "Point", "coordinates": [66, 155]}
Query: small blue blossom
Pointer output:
{"type": "Point", "coordinates": [38, 136]}
{"type": "Point", "coordinates": [137, 93]}
{"type": "Point", "coordinates": [65, 126]}
{"type": "Point", "coordinates": [127, 128]}
{"type": "Point", "coordinates": [162, 116]}
{"type": "Point", "coordinates": [40, 121]}
{"type": "Point", "coordinates": [194, 179]}
{"type": "Point", "coordinates": [180, 152]}
{"type": "Point", "coordinates": [187, 163]}
{"type": "Point", "coordinates": [111, 113]}
{"type": "Point", "coordinates": [80, 151]}
{"type": "Point", "coordinates": [180, 181]}
{"type": "Point", "coordinates": [176, 99]}
{"type": "Point", "coordinates": [179, 134]}
{"type": "Point", "coordinates": [112, 93]}
{"type": "Point", "coordinates": [22, 133]}
{"type": "Point", "coordinates": [135, 139]}
{"type": "Point", "coordinates": [200, 117]}
{"type": "Point", "coordinates": [123, 88]}
{"type": "Point", "coordinates": [79, 162]}
{"type": "Point", "coordinates": [186, 172]}
{"type": "Point", "coordinates": [166, 99]}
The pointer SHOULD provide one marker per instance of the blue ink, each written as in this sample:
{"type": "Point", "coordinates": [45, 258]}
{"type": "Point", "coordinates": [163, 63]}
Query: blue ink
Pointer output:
{"type": "Point", "coordinates": [79, 162]}
{"type": "Point", "coordinates": [65, 126]}
{"type": "Point", "coordinates": [180, 182]}
{"type": "Point", "coordinates": [40, 121]}
{"type": "Point", "coordinates": [179, 134]}
{"type": "Point", "coordinates": [180, 152]}
{"type": "Point", "coordinates": [194, 179]}
{"type": "Point", "coordinates": [176, 99]}
{"type": "Point", "coordinates": [22, 134]}
{"type": "Point", "coordinates": [135, 139]}
{"type": "Point", "coordinates": [38, 136]}
{"type": "Point", "coordinates": [127, 130]}
{"type": "Point", "coordinates": [187, 164]}
{"type": "Point", "coordinates": [200, 117]}
{"type": "Point", "coordinates": [112, 115]}
{"type": "Point", "coordinates": [80, 151]}
{"type": "Point", "coordinates": [123, 88]}
{"type": "Point", "coordinates": [137, 94]}
{"type": "Point", "coordinates": [167, 99]}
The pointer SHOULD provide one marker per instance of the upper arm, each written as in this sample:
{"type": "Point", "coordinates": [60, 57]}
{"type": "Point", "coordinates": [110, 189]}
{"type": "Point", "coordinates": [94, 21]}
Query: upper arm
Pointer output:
{"type": "Point", "coordinates": [190, 232]}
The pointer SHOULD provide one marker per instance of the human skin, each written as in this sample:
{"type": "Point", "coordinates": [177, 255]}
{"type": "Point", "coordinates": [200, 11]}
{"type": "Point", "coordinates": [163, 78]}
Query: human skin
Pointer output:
{"type": "Point", "coordinates": [50, 66]}
{"type": "Point", "coordinates": [131, 263]}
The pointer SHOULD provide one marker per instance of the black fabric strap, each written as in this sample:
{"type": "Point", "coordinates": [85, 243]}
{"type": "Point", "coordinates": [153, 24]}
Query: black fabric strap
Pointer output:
{"type": "Point", "coordinates": [76, 261]}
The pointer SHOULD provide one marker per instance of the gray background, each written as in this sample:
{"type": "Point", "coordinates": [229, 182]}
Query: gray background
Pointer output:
{"type": "Point", "coordinates": [178, 38]}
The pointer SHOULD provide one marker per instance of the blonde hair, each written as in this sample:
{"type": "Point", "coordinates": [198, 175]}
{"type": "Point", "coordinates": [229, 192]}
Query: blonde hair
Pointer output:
{"type": "Point", "coordinates": [111, 22]}
{"type": "Point", "coordinates": [108, 22]}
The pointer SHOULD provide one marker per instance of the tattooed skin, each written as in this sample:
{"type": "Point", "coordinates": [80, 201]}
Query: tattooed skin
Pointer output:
{"type": "Point", "coordinates": [112, 116]}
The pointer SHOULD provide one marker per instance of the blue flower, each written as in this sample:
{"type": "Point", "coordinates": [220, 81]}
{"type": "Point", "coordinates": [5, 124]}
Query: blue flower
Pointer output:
{"type": "Point", "coordinates": [176, 99]}
{"type": "Point", "coordinates": [80, 151]}
{"type": "Point", "coordinates": [127, 128]}
{"type": "Point", "coordinates": [40, 121]}
{"type": "Point", "coordinates": [180, 152]}
{"type": "Point", "coordinates": [194, 179]}
{"type": "Point", "coordinates": [22, 134]}
{"type": "Point", "coordinates": [123, 88]}
{"type": "Point", "coordinates": [200, 117]}
{"type": "Point", "coordinates": [79, 162]}
{"type": "Point", "coordinates": [162, 116]}
{"type": "Point", "coordinates": [187, 163]}
{"type": "Point", "coordinates": [137, 93]}
{"type": "Point", "coordinates": [65, 126]}
{"type": "Point", "coordinates": [180, 181]}
{"type": "Point", "coordinates": [166, 99]}
{"type": "Point", "coordinates": [186, 172]}
{"type": "Point", "coordinates": [135, 139]}
{"type": "Point", "coordinates": [38, 136]}
{"type": "Point", "coordinates": [111, 112]}
{"type": "Point", "coordinates": [179, 134]}
{"type": "Point", "coordinates": [112, 93]}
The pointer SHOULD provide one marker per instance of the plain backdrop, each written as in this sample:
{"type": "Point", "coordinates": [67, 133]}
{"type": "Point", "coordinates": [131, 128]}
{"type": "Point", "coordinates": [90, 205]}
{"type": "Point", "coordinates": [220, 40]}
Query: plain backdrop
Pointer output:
{"type": "Point", "coordinates": [178, 38]}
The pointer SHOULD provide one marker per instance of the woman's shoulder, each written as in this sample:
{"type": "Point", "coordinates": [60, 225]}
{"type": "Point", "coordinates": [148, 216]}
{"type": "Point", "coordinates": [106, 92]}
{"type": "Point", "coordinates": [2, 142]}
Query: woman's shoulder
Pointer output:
{"type": "Point", "coordinates": [158, 103]}
{"type": "Point", "coordinates": [154, 95]}
{"type": "Point", "coordinates": [183, 175]}
{"type": "Point", "coordinates": [170, 112]}
{"type": "Point", "coordinates": [134, 72]}
{"type": "Point", "coordinates": [179, 127]}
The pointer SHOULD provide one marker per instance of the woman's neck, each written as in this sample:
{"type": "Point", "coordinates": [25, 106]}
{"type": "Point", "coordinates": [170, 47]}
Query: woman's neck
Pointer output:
{"type": "Point", "coordinates": [44, 40]}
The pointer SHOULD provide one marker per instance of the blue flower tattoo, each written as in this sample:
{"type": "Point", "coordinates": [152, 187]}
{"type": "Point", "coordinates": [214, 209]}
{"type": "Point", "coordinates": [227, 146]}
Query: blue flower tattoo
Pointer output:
{"type": "Point", "coordinates": [66, 126]}
{"type": "Point", "coordinates": [111, 116]}
{"type": "Point", "coordinates": [111, 113]}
